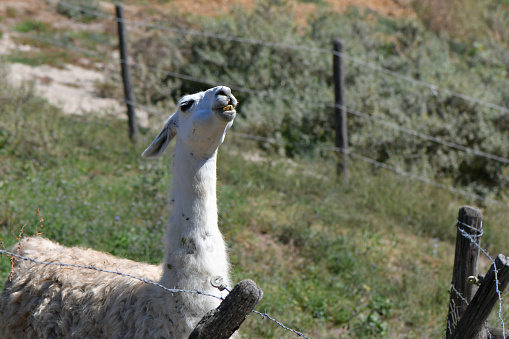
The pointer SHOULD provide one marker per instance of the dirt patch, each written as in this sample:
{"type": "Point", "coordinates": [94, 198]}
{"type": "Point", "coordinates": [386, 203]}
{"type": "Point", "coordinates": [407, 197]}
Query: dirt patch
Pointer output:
{"type": "Point", "coordinates": [71, 88]}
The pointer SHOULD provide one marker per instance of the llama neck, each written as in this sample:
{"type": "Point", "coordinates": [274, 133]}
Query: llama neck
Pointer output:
{"type": "Point", "coordinates": [193, 193]}
{"type": "Point", "coordinates": [195, 249]}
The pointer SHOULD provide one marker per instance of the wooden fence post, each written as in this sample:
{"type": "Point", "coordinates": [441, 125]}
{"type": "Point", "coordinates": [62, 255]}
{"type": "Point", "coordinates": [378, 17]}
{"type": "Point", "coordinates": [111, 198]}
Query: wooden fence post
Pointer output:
{"type": "Point", "coordinates": [222, 322]}
{"type": "Point", "coordinates": [472, 323]}
{"type": "Point", "coordinates": [465, 265]}
{"type": "Point", "coordinates": [340, 112]}
{"type": "Point", "coordinates": [126, 75]}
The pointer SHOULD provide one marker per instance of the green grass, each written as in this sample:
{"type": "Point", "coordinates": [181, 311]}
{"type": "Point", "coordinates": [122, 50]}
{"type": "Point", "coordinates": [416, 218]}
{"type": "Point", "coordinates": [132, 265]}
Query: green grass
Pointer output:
{"type": "Point", "coordinates": [52, 57]}
{"type": "Point", "coordinates": [31, 26]}
{"type": "Point", "coordinates": [370, 260]}
{"type": "Point", "coordinates": [46, 53]}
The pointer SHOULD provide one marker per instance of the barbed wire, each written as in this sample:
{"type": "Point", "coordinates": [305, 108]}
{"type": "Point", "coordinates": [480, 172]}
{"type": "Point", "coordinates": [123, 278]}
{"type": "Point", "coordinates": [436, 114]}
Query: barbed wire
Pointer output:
{"type": "Point", "coordinates": [329, 148]}
{"type": "Point", "coordinates": [432, 87]}
{"type": "Point", "coordinates": [352, 154]}
{"type": "Point", "coordinates": [146, 281]}
{"type": "Point", "coordinates": [471, 237]}
{"type": "Point", "coordinates": [265, 315]}
{"type": "Point", "coordinates": [458, 293]}
{"type": "Point", "coordinates": [377, 164]}
{"type": "Point", "coordinates": [347, 109]}
{"type": "Point", "coordinates": [421, 178]}
{"type": "Point", "coordinates": [423, 135]}
{"type": "Point", "coordinates": [495, 270]}
{"type": "Point", "coordinates": [478, 231]}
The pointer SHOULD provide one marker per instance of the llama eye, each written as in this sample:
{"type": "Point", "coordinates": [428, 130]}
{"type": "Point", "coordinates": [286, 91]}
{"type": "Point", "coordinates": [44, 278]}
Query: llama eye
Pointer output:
{"type": "Point", "coordinates": [186, 105]}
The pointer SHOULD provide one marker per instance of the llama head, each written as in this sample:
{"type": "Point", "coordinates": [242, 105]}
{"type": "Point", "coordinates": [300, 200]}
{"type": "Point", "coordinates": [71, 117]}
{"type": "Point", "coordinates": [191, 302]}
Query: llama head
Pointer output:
{"type": "Point", "coordinates": [200, 123]}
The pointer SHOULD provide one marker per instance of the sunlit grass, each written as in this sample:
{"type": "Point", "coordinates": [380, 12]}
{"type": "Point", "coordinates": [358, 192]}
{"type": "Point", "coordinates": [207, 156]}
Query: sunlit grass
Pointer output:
{"type": "Point", "coordinates": [373, 259]}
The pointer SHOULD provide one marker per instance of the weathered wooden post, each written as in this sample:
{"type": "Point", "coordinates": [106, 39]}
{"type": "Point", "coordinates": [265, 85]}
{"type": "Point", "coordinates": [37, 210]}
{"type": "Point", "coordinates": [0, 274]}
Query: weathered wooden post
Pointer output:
{"type": "Point", "coordinates": [126, 74]}
{"type": "Point", "coordinates": [472, 324]}
{"type": "Point", "coordinates": [222, 322]}
{"type": "Point", "coordinates": [340, 112]}
{"type": "Point", "coordinates": [465, 264]}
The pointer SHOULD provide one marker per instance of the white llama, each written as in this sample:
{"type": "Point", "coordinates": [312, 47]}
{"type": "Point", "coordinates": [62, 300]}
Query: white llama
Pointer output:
{"type": "Point", "coordinates": [46, 301]}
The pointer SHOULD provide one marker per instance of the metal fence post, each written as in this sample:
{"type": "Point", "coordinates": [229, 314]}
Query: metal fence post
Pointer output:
{"type": "Point", "coordinates": [126, 75]}
{"type": "Point", "coordinates": [340, 112]}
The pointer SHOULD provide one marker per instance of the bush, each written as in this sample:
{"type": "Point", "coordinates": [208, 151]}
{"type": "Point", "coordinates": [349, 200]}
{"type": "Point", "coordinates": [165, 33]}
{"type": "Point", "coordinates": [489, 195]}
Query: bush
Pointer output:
{"type": "Point", "coordinates": [70, 8]}
{"type": "Point", "coordinates": [293, 89]}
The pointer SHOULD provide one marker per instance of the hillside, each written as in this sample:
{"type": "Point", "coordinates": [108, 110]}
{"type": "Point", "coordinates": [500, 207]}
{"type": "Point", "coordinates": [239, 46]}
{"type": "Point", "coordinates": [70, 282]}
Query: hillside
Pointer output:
{"type": "Point", "coordinates": [370, 259]}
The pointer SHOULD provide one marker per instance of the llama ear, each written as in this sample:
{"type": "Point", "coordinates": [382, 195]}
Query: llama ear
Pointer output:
{"type": "Point", "coordinates": [168, 132]}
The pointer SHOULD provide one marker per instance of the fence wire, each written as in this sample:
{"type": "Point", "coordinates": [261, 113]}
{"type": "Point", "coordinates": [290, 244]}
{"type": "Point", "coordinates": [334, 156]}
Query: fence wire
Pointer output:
{"type": "Point", "coordinates": [347, 109]}
{"type": "Point", "coordinates": [376, 163]}
{"type": "Point", "coordinates": [273, 96]}
{"type": "Point", "coordinates": [350, 153]}
{"type": "Point", "coordinates": [361, 62]}
{"type": "Point", "coordinates": [263, 315]}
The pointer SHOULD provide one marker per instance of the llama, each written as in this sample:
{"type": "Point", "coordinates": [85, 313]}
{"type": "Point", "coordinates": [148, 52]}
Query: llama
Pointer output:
{"type": "Point", "coordinates": [46, 301]}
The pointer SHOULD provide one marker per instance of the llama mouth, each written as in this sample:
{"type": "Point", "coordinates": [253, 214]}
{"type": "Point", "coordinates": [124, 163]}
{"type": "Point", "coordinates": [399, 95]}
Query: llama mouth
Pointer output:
{"type": "Point", "coordinates": [226, 113]}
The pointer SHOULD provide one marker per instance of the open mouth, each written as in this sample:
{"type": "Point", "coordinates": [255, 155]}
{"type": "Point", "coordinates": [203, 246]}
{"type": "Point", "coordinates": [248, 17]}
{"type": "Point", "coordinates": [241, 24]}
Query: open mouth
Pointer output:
{"type": "Point", "coordinates": [227, 113]}
{"type": "Point", "coordinates": [228, 108]}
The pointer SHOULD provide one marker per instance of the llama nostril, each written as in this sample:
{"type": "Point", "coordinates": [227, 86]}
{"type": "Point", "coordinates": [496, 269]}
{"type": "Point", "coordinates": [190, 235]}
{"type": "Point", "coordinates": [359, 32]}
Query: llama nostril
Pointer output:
{"type": "Point", "coordinates": [221, 92]}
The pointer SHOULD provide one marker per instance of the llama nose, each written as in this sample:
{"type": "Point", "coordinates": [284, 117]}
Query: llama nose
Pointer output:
{"type": "Point", "coordinates": [223, 90]}
{"type": "Point", "coordinates": [227, 92]}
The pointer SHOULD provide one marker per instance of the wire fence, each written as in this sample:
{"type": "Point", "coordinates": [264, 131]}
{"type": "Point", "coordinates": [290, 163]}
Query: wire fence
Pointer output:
{"type": "Point", "coordinates": [434, 88]}
{"type": "Point", "coordinates": [269, 95]}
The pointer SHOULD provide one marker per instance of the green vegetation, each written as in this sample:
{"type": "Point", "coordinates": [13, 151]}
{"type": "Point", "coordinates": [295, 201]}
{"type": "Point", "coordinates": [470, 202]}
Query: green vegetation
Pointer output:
{"type": "Point", "coordinates": [79, 9]}
{"type": "Point", "coordinates": [49, 45]}
{"type": "Point", "coordinates": [53, 57]}
{"type": "Point", "coordinates": [299, 85]}
{"type": "Point", "coordinates": [370, 260]}
{"type": "Point", "coordinates": [31, 25]}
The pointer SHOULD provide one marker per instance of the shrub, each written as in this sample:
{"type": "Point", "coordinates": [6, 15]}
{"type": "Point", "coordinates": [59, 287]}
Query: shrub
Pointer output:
{"type": "Point", "coordinates": [293, 87]}
{"type": "Point", "coordinates": [70, 8]}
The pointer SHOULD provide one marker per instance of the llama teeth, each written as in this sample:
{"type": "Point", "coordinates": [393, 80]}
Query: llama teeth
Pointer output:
{"type": "Point", "coordinates": [228, 108]}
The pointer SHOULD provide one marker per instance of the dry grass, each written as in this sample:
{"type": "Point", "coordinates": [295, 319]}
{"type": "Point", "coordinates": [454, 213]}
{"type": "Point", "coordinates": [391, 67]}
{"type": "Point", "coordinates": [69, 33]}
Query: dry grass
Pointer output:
{"type": "Point", "coordinates": [466, 19]}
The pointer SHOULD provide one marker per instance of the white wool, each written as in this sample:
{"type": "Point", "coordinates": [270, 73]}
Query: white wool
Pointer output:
{"type": "Point", "coordinates": [47, 301]}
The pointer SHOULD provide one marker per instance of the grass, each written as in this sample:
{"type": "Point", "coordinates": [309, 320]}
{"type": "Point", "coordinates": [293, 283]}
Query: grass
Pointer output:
{"type": "Point", "coordinates": [370, 260]}
{"type": "Point", "coordinates": [55, 57]}
{"type": "Point", "coordinates": [31, 26]}
{"type": "Point", "coordinates": [45, 53]}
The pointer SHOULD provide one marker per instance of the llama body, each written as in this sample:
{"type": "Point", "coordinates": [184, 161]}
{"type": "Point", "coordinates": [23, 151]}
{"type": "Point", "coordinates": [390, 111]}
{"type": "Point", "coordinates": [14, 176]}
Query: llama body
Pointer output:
{"type": "Point", "coordinates": [44, 301]}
